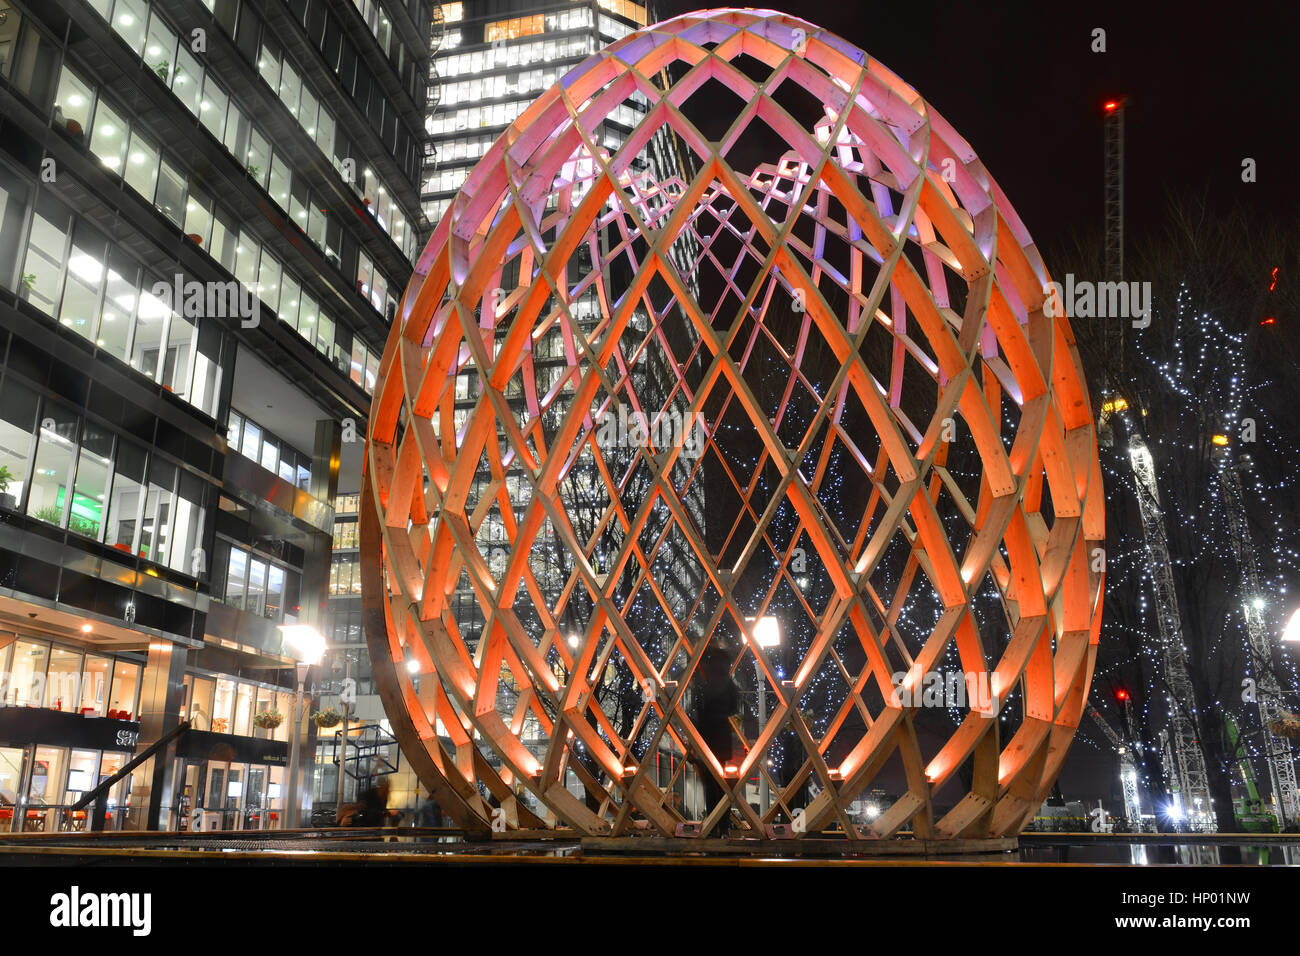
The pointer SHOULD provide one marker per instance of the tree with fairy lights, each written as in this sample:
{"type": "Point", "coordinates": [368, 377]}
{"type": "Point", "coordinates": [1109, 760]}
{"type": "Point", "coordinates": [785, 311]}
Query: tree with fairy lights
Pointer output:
{"type": "Point", "coordinates": [1204, 387]}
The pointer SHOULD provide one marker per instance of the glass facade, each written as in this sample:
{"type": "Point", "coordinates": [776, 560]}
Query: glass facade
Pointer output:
{"type": "Point", "coordinates": [138, 425]}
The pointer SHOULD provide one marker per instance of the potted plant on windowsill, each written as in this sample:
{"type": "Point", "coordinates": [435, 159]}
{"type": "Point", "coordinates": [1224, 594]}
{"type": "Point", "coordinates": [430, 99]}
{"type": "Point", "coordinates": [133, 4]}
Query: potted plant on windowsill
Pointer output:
{"type": "Point", "coordinates": [73, 127]}
{"type": "Point", "coordinates": [195, 238]}
{"type": "Point", "coordinates": [7, 500]}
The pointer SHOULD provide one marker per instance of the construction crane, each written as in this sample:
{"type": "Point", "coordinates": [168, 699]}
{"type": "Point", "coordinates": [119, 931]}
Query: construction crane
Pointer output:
{"type": "Point", "coordinates": [1128, 773]}
{"type": "Point", "coordinates": [1184, 760]}
{"type": "Point", "coordinates": [1268, 694]}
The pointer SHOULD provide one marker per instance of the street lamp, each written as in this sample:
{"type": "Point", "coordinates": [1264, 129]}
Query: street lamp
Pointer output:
{"type": "Point", "coordinates": [767, 634]}
{"type": "Point", "coordinates": [308, 647]}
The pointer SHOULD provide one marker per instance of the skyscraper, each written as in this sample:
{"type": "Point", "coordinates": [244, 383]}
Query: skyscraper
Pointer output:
{"type": "Point", "coordinates": [208, 212]}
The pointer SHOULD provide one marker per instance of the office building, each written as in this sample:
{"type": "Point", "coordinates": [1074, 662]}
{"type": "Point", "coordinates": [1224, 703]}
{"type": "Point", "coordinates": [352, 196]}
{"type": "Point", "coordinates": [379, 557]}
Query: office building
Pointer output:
{"type": "Point", "coordinates": [208, 212]}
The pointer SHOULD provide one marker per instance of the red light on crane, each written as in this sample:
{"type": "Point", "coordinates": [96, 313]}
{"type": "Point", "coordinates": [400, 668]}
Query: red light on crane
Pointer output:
{"type": "Point", "coordinates": [1121, 694]}
{"type": "Point", "coordinates": [1269, 321]}
{"type": "Point", "coordinates": [1273, 280]}
{"type": "Point", "coordinates": [1111, 106]}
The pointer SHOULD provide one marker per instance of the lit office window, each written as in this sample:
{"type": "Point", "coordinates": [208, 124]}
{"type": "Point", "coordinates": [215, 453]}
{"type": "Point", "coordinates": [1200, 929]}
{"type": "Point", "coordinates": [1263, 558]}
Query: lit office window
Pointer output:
{"type": "Point", "coordinates": [79, 308]}
{"type": "Point", "coordinates": [73, 103]}
{"type": "Point", "coordinates": [142, 166]}
{"type": "Point", "coordinates": [43, 265]}
{"type": "Point", "coordinates": [127, 497]}
{"type": "Point", "coordinates": [212, 107]}
{"type": "Point", "coordinates": [90, 495]}
{"type": "Point", "coordinates": [129, 21]}
{"type": "Point", "coordinates": [17, 424]}
{"type": "Point", "coordinates": [452, 12]}
{"type": "Point", "coordinates": [52, 474]}
{"type": "Point", "coordinates": [187, 84]}
{"type": "Point", "coordinates": [155, 528]}
{"type": "Point", "coordinates": [514, 28]}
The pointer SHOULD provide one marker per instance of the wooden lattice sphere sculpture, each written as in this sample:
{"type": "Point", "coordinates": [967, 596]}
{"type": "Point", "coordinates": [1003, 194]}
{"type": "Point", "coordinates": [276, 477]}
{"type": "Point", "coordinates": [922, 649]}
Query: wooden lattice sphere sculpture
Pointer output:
{"type": "Point", "coordinates": [687, 485]}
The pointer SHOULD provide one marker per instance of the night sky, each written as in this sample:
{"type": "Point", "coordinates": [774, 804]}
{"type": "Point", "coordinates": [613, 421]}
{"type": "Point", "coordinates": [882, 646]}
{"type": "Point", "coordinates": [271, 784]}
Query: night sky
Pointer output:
{"type": "Point", "coordinates": [1020, 83]}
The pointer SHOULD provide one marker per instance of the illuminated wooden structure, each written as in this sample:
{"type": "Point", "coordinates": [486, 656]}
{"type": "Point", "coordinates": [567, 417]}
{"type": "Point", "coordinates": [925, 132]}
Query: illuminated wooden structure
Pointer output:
{"type": "Point", "coordinates": [880, 206]}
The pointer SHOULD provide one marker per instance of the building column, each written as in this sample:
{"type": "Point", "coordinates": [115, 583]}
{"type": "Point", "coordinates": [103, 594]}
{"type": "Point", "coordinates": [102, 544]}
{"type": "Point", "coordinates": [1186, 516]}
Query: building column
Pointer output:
{"type": "Point", "coordinates": [162, 695]}
{"type": "Point", "coordinates": [326, 454]}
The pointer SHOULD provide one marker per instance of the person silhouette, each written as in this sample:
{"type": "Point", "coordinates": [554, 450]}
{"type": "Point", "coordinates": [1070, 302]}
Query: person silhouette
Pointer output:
{"type": "Point", "coordinates": [716, 700]}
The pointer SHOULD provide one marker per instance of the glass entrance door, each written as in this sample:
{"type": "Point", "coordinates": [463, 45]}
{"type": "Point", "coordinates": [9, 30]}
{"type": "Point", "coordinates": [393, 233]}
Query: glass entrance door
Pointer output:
{"type": "Point", "coordinates": [11, 781]}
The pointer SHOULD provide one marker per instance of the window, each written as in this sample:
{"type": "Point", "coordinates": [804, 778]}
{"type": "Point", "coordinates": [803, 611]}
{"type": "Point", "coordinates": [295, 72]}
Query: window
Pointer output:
{"type": "Point", "coordinates": [142, 166]}
{"type": "Point", "coordinates": [126, 684]}
{"type": "Point", "coordinates": [198, 216]}
{"type": "Point", "coordinates": [290, 88]}
{"type": "Point", "coordinates": [288, 311]}
{"type": "Point", "coordinates": [307, 317]}
{"type": "Point", "coordinates": [149, 328]}
{"type": "Point", "coordinates": [17, 420]}
{"type": "Point", "coordinates": [246, 260]}
{"type": "Point", "coordinates": [268, 64]}
{"type": "Point", "coordinates": [63, 680]}
{"type": "Point", "coordinates": [79, 309]}
{"type": "Point", "coordinates": [129, 22]}
{"type": "Point", "coordinates": [274, 593]}
{"type": "Point", "coordinates": [179, 358]}
{"type": "Point", "coordinates": [73, 103]}
{"type": "Point", "coordinates": [43, 266]}
{"type": "Point", "coordinates": [188, 528]}
{"type": "Point", "coordinates": [171, 193]}
{"type": "Point", "coordinates": [51, 477]}
{"type": "Point", "coordinates": [236, 575]}
{"type": "Point", "coordinates": [223, 706]}
{"type": "Point", "coordinates": [160, 51]}
{"type": "Point", "coordinates": [127, 498]}
{"type": "Point", "coordinates": [258, 160]}
{"type": "Point", "coordinates": [279, 185]}
{"type": "Point", "coordinates": [27, 674]}
{"type": "Point", "coordinates": [212, 107]}
{"type": "Point", "coordinates": [256, 592]}
{"type": "Point", "coordinates": [243, 709]}
{"type": "Point", "coordinates": [108, 140]}
{"type": "Point", "coordinates": [268, 281]}
{"type": "Point", "coordinates": [252, 441]}
{"type": "Point", "coordinates": [514, 28]}
{"type": "Point", "coordinates": [187, 84]}
{"type": "Point", "coordinates": [155, 528]}
{"type": "Point", "coordinates": [94, 685]}
{"type": "Point", "coordinates": [238, 131]}
{"type": "Point", "coordinates": [90, 494]}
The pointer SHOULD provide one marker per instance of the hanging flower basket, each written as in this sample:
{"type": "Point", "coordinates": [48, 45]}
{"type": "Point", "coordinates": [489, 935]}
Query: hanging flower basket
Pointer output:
{"type": "Point", "coordinates": [329, 717]}
{"type": "Point", "coordinates": [1288, 725]}
{"type": "Point", "coordinates": [268, 719]}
